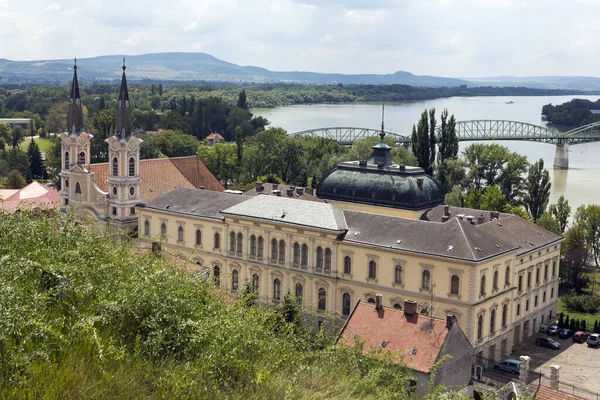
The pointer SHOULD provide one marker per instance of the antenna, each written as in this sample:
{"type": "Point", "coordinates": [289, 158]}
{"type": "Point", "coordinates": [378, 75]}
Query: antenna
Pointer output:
{"type": "Point", "coordinates": [382, 134]}
{"type": "Point", "coordinates": [75, 66]}
{"type": "Point", "coordinates": [123, 63]}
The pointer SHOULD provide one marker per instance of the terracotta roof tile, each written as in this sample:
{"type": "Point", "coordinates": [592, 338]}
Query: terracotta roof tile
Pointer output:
{"type": "Point", "coordinates": [402, 334]}
{"type": "Point", "coordinates": [215, 136]}
{"type": "Point", "coordinates": [547, 393]}
{"type": "Point", "coordinates": [33, 195]}
{"type": "Point", "coordinates": [161, 175]}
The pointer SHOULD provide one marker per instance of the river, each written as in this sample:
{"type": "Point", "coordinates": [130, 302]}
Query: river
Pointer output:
{"type": "Point", "coordinates": [580, 184]}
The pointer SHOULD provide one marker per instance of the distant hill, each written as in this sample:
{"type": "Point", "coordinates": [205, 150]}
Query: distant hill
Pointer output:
{"type": "Point", "coordinates": [205, 67]}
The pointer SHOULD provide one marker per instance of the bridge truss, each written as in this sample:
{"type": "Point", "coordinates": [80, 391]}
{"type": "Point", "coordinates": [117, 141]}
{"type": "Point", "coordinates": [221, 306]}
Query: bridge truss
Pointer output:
{"type": "Point", "coordinates": [474, 130]}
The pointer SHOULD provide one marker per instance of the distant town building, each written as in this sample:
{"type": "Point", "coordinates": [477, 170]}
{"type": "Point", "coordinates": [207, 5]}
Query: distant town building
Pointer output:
{"type": "Point", "coordinates": [214, 138]}
{"type": "Point", "coordinates": [417, 340]}
{"type": "Point", "coordinates": [33, 195]}
{"type": "Point", "coordinates": [25, 123]}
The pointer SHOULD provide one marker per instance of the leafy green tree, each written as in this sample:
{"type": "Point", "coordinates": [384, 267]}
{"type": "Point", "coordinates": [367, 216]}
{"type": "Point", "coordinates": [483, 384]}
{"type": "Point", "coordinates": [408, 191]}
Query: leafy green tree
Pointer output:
{"type": "Point", "coordinates": [448, 141]}
{"type": "Point", "coordinates": [56, 120]}
{"type": "Point", "coordinates": [17, 135]}
{"type": "Point", "coordinates": [15, 180]}
{"type": "Point", "coordinates": [402, 156]}
{"type": "Point", "coordinates": [493, 199]}
{"type": "Point", "coordinates": [588, 219]}
{"type": "Point", "coordinates": [473, 199]}
{"type": "Point", "coordinates": [573, 264]}
{"type": "Point", "coordinates": [242, 103]}
{"type": "Point", "coordinates": [5, 131]}
{"type": "Point", "coordinates": [421, 143]}
{"type": "Point", "coordinates": [14, 159]}
{"type": "Point", "coordinates": [102, 125]}
{"type": "Point", "coordinates": [561, 211]}
{"type": "Point", "coordinates": [221, 160]}
{"type": "Point", "coordinates": [456, 197]}
{"type": "Point", "coordinates": [101, 103]}
{"type": "Point", "coordinates": [548, 222]}
{"type": "Point", "coordinates": [519, 211]}
{"type": "Point", "coordinates": [239, 142]}
{"type": "Point", "coordinates": [35, 160]}
{"type": "Point", "coordinates": [538, 189]}
{"type": "Point", "coordinates": [432, 140]}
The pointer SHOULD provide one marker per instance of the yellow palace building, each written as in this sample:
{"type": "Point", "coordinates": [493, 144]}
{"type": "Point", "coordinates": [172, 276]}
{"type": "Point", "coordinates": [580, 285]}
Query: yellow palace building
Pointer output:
{"type": "Point", "coordinates": [373, 228]}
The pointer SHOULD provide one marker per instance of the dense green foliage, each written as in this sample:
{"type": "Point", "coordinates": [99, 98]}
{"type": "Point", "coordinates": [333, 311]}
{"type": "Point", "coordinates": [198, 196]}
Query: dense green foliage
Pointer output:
{"type": "Point", "coordinates": [573, 113]}
{"type": "Point", "coordinates": [583, 303]}
{"type": "Point", "coordinates": [85, 316]}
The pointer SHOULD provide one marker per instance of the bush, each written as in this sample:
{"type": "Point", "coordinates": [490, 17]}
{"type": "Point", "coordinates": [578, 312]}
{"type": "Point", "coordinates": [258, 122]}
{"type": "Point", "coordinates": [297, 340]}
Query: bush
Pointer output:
{"type": "Point", "coordinates": [582, 303]}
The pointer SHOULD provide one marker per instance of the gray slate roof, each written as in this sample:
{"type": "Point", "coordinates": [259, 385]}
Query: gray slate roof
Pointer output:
{"type": "Point", "coordinates": [198, 202]}
{"type": "Point", "coordinates": [291, 211]}
{"type": "Point", "coordinates": [454, 239]}
{"type": "Point", "coordinates": [436, 213]}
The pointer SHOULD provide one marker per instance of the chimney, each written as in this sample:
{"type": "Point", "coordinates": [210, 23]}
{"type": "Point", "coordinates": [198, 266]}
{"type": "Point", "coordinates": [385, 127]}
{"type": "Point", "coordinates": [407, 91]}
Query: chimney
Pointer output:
{"type": "Point", "coordinates": [259, 186]}
{"type": "Point", "coordinates": [494, 215]}
{"type": "Point", "coordinates": [446, 209]}
{"type": "Point", "coordinates": [290, 191]}
{"type": "Point", "coordinates": [471, 219]}
{"type": "Point", "coordinates": [276, 193]}
{"type": "Point", "coordinates": [420, 183]}
{"type": "Point", "coordinates": [378, 301]}
{"type": "Point", "coordinates": [449, 321]}
{"type": "Point", "coordinates": [300, 190]}
{"type": "Point", "coordinates": [402, 168]}
{"type": "Point", "coordinates": [460, 216]}
{"type": "Point", "coordinates": [410, 307]}
{"type": "Point", "coordinates": [445, 218]}
{"type": "Point", "coordinates": [554, 376]}
{"type": "Point", "coordinates": [480, 219]}
{"type": "Point", "coordinates": [275, 186]}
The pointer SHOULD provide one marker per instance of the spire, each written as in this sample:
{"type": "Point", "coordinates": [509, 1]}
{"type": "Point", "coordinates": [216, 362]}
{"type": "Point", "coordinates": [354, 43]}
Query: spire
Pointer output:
{"type": "Point", "coordinates": [382, 134]}
{"type": "Point", "coordinates": [75, 111]}
{"type": "Point", "coordinates": [381, 151]}
{"type": "Point", "coordinates": [124, 125]}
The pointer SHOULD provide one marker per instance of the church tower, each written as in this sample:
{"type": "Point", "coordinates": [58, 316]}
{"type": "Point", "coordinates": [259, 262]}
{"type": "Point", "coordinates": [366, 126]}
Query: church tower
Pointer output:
{"type": "Point", "coordinates": [75, 152]}
{"type": "Point", "coordinates": [123, 164]}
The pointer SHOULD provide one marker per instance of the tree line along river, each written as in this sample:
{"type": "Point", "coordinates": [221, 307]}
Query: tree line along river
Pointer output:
{"type": "Point", "coordinates": [580, 184]}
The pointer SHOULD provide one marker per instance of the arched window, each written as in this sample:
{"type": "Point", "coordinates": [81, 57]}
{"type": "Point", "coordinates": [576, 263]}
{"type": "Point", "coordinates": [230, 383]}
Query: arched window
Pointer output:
{"type": "Point", "coordinates": [67, 183]}
{"type": "Point", "coordinates": [328, 259]}
{"type": "Point", "coordinates": [217, 275]}
{"type": "Point", "coordinates": [180, 234]}
{"type": "Point", "coordinates": [495, 281]}
{"type": "Point", "coordinates": [281, 251]}
{"type": "Point", "coordinates": [371, 300]}
{"type": "Point", "coordinates": [507, 276]}
{"type": "Point", "coordinates": [81, 158]}
{"type": "Point", "coordinates": [304, 259]}
{"type": "Point", "coordinates": [426, 280]}
{"type": "Point", "coordinates": [346, 304]}
{"type": "Point", "coordinates": [322, 305]}
{"type": "Point", "coordinates": [296, 255]}
{"type": "Point", "coordinates": [131, 166]}
{"type": "Point", "coordinates": [217, 241]}
{"type": "Point", "coordinates": [235, 279]}
{"type": "Point", "coordinates": [198, 237]}
{"type": "Point", "coordinates": [299, 293]}
{"type": "Point", "coordinates": [147, 228]}
{"type": "Point", "coordinates": [482, 287]}
{"type": "Point", "coordinates": [255, 283]}
{"type": "Point", "coordinates": [261, 247]}
{"type": "Point", "coordinates": [504, 315]}
{"type": "Point", "coordinates": [493, 321]}
{"type": "Point", "coordinates": [319, 257]}
{"type": "Point", "coordinates": [115, 166]}
{"type": "Point", "coordinates": [398, 306]}
{"type": "Point", "coordinates": [253, 246]}
{"type": "Point", "coordinates": [274, 249]}
{"type": "Point", "coordinates": [276, 289]}
{"type": "Point", "coordinates": [163, 229]}
{"type": "Point", "coordinates": [232, 242]}
{"type": "Point", "coordinates": [240, 243]}
{"type": "Point", "coordinates": [66, 160]}
{"type": "Point", "coordinates": [454, 284]}
{"type": "Point", "coordinates": [347, 265]}
{"type": "Point", "coordinates": [77, 188]}
{"type": "Point", "coordinates": [372, 269]}
{"type": "Point", "coordinates": [480, 327]}
{"type": "Point", "coordinates": [398, 274]}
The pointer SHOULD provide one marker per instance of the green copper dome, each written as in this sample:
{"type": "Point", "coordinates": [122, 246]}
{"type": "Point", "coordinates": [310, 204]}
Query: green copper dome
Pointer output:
{"type": "Point", "coordinates": [381, 182]}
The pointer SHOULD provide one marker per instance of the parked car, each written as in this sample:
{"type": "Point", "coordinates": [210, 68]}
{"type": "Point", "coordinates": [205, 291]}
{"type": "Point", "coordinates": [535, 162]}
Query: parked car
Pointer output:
{"type": "Point", "coordinates": [512, 366]}
{"type": "Point", "coordinates": [553, 330]}
{"type": "Point", "coordinates": [580, 337]}
{"type": "Point", "coordinates": [543, 328]}
{"type": "Point", "coordinates": [547, 342]}
{"type": "Point", "coordinates": [565, 333]}
{"type": "Point", "coordinates": [593, 340]}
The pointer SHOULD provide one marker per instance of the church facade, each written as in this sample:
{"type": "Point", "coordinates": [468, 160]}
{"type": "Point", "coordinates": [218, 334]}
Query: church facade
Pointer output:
{"type": "Point", "coordinates": [382, 230]}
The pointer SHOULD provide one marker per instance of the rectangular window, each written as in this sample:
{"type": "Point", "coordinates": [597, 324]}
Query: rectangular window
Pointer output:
{"type": "Point", "coordinates": [527, 306]}
{"type": "Point", "coordinates": [518, 309]}
{"type": "Point", "coordinates": [535, 301]}
{"type": "Point", "coordinates": [553, 269]}
{"type": "Point", "coordinates": [537, 276]}
{"type": "Point", "coordinates": [132, 211]}
{"type": "Point", "coordinates": [546, 272]}
{"type": "Point", "coordinates": [520, 283]}
{"type": "Point", "coordinates": [544, 297]}
{"type": "Point", "coordinates": [552, 293]}
{"type": "Point", "coordinates": [528, 279]}
{"type": "Point", "coordinates": [114, 211]}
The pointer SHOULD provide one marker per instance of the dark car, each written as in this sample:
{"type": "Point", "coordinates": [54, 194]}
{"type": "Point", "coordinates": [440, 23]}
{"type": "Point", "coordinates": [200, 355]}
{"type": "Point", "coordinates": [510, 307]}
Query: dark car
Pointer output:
{"type": "Point", "coordinates": [580, 337]}
{"type": "Point", "coordinates": [553, 330]}
{"type": "Point", "coordinates": [512, 366]}
{"type": "Point", "coordinates": [565, 333]}
{"type": "Point", "coordinates": [547, 342]}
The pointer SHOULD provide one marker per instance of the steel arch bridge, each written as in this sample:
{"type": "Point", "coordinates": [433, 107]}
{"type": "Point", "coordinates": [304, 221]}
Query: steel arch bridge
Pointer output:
{"type": "Point", "coordinates": [474, 130]}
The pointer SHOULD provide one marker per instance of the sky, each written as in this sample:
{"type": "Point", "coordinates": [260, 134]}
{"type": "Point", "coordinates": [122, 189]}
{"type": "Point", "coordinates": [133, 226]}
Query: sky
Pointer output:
{"type": "Point", "coordinates": [454, 38]}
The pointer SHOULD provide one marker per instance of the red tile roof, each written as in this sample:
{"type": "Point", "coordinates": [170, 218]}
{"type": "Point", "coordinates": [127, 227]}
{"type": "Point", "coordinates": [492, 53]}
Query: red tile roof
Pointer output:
{"type": "Point", "coordinates": [161, 175]}
{"type": "Point", "coordinates": [402, 334]}
{"type": "Point", "coordinates": [215, 136]}
{"type": "Point", "coordinates": [547, 393]}
{"type": "Point", "coordinates": [33, 195]}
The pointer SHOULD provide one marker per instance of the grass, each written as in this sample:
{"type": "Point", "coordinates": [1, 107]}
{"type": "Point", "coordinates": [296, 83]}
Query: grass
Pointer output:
{"type": "Point", "coordinates": [43, 144]}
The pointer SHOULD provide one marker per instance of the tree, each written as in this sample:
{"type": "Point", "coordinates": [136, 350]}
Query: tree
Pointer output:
{"type": "Point", "coordinates": [538, 189]}
{"type": "Point", "coordinates": [102, 125]}
{"type": "Point", "coordinates": [493, 199]}
{"type": "Point", "coordinates": [519, 211]}
{"type": "Point", "coordinates": [239, 144]}
{"type": "Point", "coordinates": [421, 143]}
{"type": "Point", "coordinates": [242, 103]}
{"type": "Point", "coordinates": [561, 211]}
{"type": "Point", "coordinates": [548, 222]}
{"type": "Point", "coordinates": [448, 141]}
{"type": "Point", "coordinates": [432, 140]}
{"type": "Point", "coordinates": [15, 180]}
{"type": "Point", "coordinates": [4, 131]}
{"type": "Point", "coordinates": [17, 135]}
{"type": "Point", "coordinates": [402, 156]}
{"type": "Point", "coordinates": [160, 89]}
{"type": "Point", "coordinates": [101, 103]}
{"type": "Point", "coordinates": [574, 262]}
{"type": "Point", "coordinates": [221, 160]}
{"type": "Point", "coordinates": [473, 199]}
{"type": "Point", "coordinates": [588, 218]}
{"type": "Point", "coordinates": [456, 197]}
{"type": "Point", "coordinates": [35, 160]}
{"type": "Point", "coordinates": [56, 120]}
